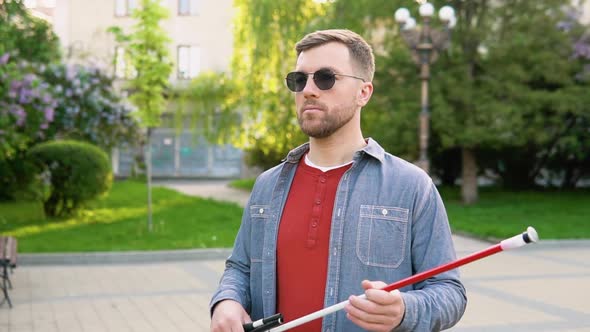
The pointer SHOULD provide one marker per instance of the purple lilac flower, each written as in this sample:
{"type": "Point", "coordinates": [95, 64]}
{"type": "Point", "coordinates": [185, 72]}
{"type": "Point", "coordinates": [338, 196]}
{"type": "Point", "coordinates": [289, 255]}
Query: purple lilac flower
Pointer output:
{"type": "Point", "coordinates": [35, 93]}
{"type": "Point", "coordinates": [28, 79]}
{"type": "Point", "coordinates": [49, 113]}
{"type": "Point", "coordinates": [15, 85]}
{"type": "Point", "coordinates": [20, 114]}
{"type": "Point", "coordinates": [70, 72]}
{"type": "Point", "coordinates": [581, 49]}
{"type": "Point", "coordinates": [25, 96]}
{"type": "Point", "coordinates": [4, 59]}
{"type": "Point", "coordinates": [565, 25]}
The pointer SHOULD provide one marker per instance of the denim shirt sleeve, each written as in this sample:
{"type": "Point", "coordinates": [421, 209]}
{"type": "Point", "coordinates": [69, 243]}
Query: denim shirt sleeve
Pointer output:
{"type": "Point", "coordinates": [235, 281]}
{"type": "Point", "coordinates": [438, 302]}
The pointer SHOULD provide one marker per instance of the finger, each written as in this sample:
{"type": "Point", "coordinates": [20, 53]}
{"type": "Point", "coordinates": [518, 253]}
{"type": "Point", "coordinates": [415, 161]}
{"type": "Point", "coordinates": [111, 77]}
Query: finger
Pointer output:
{"type": "Point", "coordinates": [365, 311]}
{"type": "Point", "coordinates": [368, 326]}
{"type": "Point", "coordinates": [367, 284]}
{"type": "Point", "coordinates": [367, 306]}
{"type": "Point", "coordinates": [383, 297]}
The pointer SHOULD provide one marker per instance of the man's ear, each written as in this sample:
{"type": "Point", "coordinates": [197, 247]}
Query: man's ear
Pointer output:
{"type": "Point", "coordinates": [365, 94]}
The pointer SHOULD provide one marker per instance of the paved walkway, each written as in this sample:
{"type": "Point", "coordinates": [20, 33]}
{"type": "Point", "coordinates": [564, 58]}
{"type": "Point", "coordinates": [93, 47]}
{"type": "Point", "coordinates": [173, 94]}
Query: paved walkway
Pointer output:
{"type": "Point", "coordinates": [544, 287]}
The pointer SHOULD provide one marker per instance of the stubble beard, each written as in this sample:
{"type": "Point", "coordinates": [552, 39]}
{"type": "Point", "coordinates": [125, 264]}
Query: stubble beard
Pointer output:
{"type": "Point", "coordinates": [330, 120]}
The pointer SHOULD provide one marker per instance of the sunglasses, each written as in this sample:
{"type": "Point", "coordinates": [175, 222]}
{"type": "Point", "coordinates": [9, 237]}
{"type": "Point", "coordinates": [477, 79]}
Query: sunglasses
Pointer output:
{"type": "Point", "coordinates": [324, 79]}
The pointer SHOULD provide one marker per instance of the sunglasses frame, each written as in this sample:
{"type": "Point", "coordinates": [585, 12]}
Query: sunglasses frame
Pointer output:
{"type": "Point", "coordinates": [319, 82]}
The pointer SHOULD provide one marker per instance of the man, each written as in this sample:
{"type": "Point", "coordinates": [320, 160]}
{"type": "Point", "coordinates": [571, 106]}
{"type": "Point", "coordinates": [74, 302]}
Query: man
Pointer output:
{"type": "Point", "coordinates": [338, 212]}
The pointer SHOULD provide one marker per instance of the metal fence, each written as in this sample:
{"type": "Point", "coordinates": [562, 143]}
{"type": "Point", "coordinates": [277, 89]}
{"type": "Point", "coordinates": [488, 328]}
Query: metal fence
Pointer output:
{"type": "Point", "coordinates": [182, 155]}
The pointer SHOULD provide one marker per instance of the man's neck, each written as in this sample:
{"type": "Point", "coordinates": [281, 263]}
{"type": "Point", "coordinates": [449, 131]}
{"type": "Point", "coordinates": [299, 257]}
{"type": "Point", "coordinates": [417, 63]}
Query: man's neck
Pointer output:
{"type": "Point", "coordinates": [337, 149]}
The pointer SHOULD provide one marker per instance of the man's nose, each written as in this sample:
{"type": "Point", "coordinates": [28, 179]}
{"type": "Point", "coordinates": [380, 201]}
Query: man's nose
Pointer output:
{"type": "Point", "coordinates": [310, 88]}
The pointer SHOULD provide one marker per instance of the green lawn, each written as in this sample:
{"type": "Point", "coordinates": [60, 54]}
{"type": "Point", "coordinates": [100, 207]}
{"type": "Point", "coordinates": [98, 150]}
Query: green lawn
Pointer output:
{"type": "Point", "coordinates": [245, 184]}
{"type": "Point", "coordinates": [119, 222]}
{"type": "Point", "coordinates": [499, 214]}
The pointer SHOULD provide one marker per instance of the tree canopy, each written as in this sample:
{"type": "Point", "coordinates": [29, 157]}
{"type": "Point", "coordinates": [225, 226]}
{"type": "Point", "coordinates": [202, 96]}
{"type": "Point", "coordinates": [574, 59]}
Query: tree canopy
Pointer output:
{"type": "Point", "coordinates": [511, 83]}
{"type": "Point", "coordinates": [26, 36]}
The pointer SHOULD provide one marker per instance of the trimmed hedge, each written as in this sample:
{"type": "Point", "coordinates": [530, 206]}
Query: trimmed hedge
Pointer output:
{"type": "Point", "coordinates": [77, 172]}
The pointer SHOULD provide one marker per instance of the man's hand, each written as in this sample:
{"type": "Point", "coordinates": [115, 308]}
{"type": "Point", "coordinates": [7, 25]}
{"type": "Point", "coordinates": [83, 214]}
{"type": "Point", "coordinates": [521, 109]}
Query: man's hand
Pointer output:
{"type": "Point", "coordinates": [380, 311]}
{"type": "Point", "coordinates": [228, 316]}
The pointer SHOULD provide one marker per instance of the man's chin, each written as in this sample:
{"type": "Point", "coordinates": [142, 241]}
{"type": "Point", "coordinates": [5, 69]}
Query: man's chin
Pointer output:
{"type": "Point", "coordinates": [315, 132]}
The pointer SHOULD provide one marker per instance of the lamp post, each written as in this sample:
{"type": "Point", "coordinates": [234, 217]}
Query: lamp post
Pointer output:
{"type": "Point", "coordinates": [425, 44]}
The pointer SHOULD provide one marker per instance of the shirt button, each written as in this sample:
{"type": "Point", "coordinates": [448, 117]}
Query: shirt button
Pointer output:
{"type": "Point", "coordinates": [384, 212]}
{"type": "Point", "coordinates": [317, 202]}
{"type": "Point", "coordinates": [323, 179]}
{"type": "Point", "coordinates": [261, 211]}
{"type": "Point", "coordinates": [314, 224]}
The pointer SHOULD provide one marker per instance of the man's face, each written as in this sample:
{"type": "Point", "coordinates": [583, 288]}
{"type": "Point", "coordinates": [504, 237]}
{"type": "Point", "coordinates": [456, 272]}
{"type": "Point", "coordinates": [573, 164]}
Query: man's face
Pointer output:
{"type": "Point", "coordinates": [322, 112]}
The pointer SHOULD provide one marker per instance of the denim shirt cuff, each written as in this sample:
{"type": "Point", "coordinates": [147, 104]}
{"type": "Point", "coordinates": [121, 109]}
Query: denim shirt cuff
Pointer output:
{"type": "Point", "coordinates": [409, 322]}
{"type": "Point", "coordinates": [224, 295]}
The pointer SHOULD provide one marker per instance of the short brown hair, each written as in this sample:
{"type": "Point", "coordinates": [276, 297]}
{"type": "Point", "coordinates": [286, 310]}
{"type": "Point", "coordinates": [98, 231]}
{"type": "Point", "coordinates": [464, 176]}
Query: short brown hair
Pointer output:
{"type": "Point", "coordinates": [360, 51]}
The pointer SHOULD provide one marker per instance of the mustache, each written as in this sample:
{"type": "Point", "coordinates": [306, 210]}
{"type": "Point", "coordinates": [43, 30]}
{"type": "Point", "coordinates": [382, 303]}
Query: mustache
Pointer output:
{"type": "Point", "coordinates": [314, 104]}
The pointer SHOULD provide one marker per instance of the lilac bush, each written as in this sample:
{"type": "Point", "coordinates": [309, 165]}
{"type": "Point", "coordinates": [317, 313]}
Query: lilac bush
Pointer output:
{"type": "Point", "coordinates": [41, 102]}
{"type": "Point", "coordinates": [27, 107]}
{"type": "Point", "coordinates": [88, 106]}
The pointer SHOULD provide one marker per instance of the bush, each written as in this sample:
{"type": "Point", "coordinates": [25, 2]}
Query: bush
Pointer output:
{"type": "Point", "coordinates": [88, 106]}
{"type": "Point", "coordinates": [77, 172]}
{"type": "Point", "coordinates": [18, 180]}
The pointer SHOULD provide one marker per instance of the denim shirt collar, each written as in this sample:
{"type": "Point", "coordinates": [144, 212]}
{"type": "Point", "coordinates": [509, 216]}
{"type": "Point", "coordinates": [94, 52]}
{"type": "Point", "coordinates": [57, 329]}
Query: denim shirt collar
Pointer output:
{"type": "Point", "coordinates": [372, 149]}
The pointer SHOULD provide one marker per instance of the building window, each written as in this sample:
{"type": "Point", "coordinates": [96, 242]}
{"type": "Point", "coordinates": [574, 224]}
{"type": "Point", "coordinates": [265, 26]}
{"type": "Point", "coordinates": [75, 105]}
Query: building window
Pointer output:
{"type": "Point", "coordinates": [188, 7]}
{"type": "Point", "coordinates": [124, 7]}
{"type": "Point", "coordinates": [189, 61]}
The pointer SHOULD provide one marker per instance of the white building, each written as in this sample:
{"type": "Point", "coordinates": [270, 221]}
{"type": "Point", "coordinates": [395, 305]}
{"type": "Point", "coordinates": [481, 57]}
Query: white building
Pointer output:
{"type": "Point", "coordinates": [202, 40]}
{"type": "Point", "coordinates": [200, 31]}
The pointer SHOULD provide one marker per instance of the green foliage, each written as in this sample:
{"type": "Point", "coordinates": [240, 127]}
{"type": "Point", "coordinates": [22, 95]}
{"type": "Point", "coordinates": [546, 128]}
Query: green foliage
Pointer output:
{"type": "Point", "coordinates": [511, 86]}
{"type": "Point", "coordinates": [210, 105]}
{"type": "Point", "coordinates": [265, 35]}
{"type": "Point", "coordinates": [19, 180]}
{"type": "Point", "coordinates": [78, 172]}
{"type": "Point", "coordinates": [25, 35]}
{"type": "Point", "coordinates": [39, 103]}
{"type": "Point", "coordinates": [146, 48]}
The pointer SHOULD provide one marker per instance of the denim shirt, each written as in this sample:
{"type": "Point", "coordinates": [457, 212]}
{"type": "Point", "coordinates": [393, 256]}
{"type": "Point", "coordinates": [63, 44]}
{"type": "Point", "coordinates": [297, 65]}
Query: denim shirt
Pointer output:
{"type": "Point", "coordinates": [388, 223]}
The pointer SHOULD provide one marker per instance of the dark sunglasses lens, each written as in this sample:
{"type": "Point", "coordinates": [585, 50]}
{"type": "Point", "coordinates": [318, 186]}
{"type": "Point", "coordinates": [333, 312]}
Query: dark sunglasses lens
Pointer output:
{"type": "Point", "coordinates": [324, 79]}
{"type": "Point", "coordinates": [296, 81]}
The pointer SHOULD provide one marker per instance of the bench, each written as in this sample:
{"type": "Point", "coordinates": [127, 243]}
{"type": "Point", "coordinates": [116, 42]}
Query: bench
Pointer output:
{"type": "Point", "coordinates": [8, 259]}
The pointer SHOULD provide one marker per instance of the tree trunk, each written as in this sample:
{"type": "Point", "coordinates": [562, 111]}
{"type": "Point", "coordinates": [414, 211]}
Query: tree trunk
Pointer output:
{"type": "Point", "coordinates": [148, 163]}
{"type": "Point", "coordinates": [469, 177]}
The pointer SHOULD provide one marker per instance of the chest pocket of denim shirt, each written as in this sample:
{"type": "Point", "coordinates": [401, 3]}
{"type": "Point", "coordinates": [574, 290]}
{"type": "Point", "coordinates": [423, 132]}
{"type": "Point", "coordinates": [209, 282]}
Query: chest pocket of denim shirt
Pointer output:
{"type": "Point", "coordinates": [382, 235]}
{"type": "Point", "coordinates": [259, 215]}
